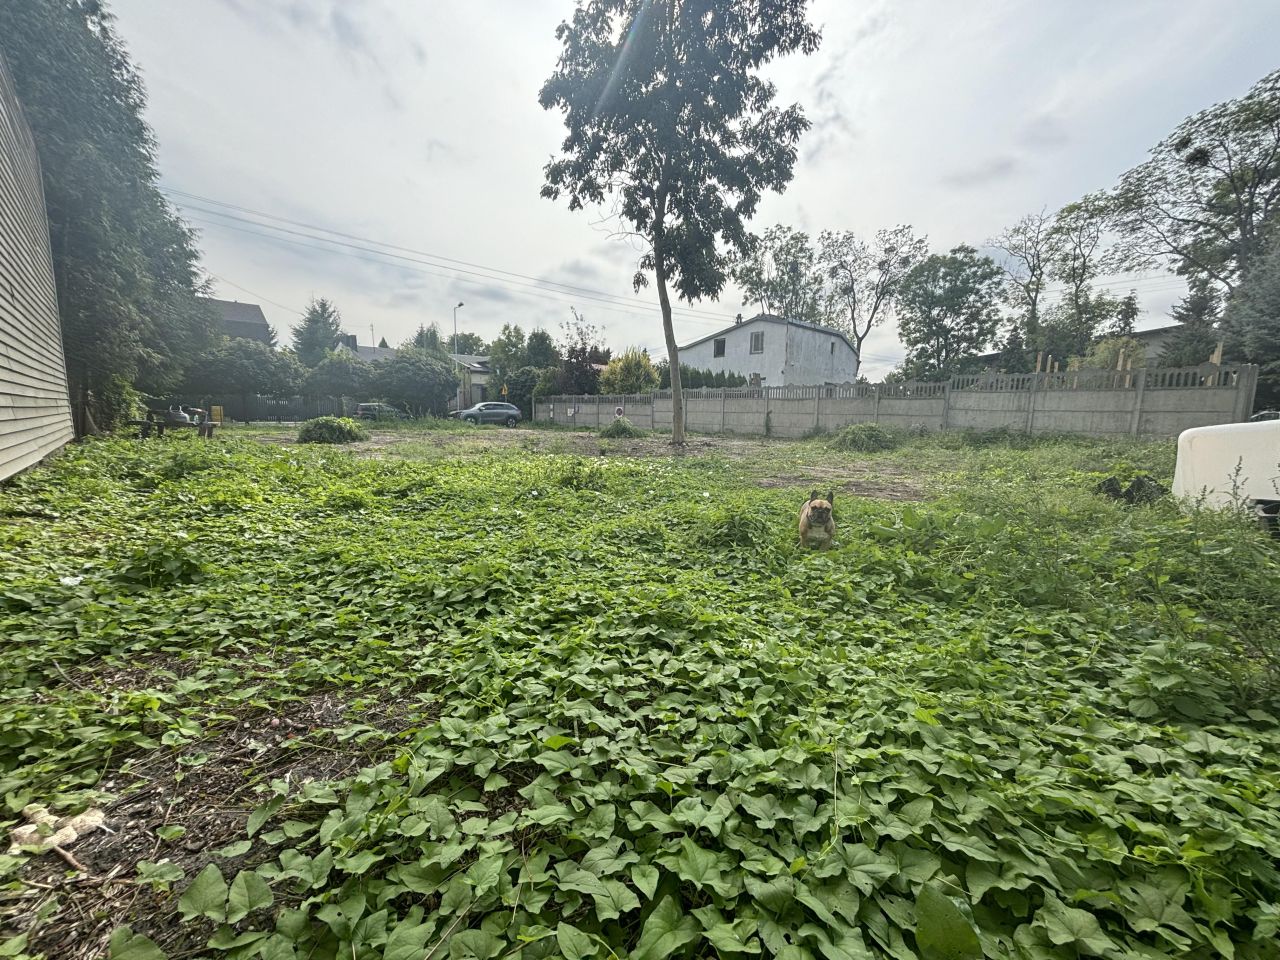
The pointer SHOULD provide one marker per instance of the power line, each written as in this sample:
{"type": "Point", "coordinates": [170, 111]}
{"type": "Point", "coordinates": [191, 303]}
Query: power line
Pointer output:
{"type": "Point", "coordinates": [418, 256]}
{"type": "Point", "coordinates": [264, 299]}
{"type": "Point", "coordinates": [343, 251]}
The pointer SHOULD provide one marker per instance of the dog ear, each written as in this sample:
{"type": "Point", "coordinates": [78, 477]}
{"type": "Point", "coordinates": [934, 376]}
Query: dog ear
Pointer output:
{"type": "Point", "coordinates": [831, 497]}
{"type": "Point", "coordinates": [813, 495]}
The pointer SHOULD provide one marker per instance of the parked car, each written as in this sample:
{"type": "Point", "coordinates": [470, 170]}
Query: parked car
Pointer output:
{"type": "Point", "coordinates": [1265, 415]}
{"type": "Point", "coordinates": [492, 412]}
{"type": "Point", "coordinates": [378, 411]}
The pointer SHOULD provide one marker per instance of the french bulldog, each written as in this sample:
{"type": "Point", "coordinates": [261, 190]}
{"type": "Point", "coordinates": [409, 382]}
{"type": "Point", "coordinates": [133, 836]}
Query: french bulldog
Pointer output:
{"type": "Point", "coordinates": [817, 523]}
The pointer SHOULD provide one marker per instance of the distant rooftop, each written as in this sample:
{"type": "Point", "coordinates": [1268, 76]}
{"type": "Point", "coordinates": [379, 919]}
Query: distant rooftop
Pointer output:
{"type": "Point", "coordinates": [244, 321]}
{"type": "Point", "coordinates": [471, 362]}
{"type": "Point", "coordinates": [771, 318]}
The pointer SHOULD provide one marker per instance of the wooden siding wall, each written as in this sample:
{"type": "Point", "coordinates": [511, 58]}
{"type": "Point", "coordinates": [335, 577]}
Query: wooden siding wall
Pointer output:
{"type": "Point", "coordinates": [35, 410]}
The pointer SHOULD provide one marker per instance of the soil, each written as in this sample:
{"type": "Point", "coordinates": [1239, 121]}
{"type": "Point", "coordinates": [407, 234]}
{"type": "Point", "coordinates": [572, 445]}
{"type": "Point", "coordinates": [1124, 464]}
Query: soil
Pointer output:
{"type": "Point", "coordinates": [209, 787]}
{"type": "Point", "coordinates": [879, 481]}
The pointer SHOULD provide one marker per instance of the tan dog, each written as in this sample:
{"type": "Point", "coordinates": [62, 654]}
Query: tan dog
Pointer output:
{"type": "Point", "coordinates": [817, 523]}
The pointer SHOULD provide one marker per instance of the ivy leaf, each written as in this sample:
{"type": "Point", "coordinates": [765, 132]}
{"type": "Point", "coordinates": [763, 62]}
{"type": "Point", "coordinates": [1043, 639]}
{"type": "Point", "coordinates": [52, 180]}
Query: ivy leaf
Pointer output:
{"type": "Point", "coordinates": [645, 877]}
{"type": "Point", "coordinates": [574, 944]}
{"type": "Point", "coordinates": [262, 814]}
{"type": "Point", "coordinates": [1069, 925]}
{"type": "Point", "coordinates": [127, 945]}
{"type": "Point", "coordinates": [484, 874]}
{"type": "Point", "coordinates": [407, 939]}
{"type": "Point", "coordinates": [206, 897]}
{"type": "Point", "coordinates": [942, 930]}
{"type": "Point", "coordinates": [474, 945]}
{"type": "Point", "coordinates": [614, 900]}
{"type": "Point", "coordinates": [237, 849]}
{"type": "Point", "coordinates": [249, 892]}
{"type": "Point", "coordinates": [665, 932]}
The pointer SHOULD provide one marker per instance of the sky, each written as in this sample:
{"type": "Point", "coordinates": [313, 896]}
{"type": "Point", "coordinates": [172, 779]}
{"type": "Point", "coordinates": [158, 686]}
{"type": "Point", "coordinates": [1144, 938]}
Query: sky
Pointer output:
{"type": "Point", "coordinates": [412, 127]}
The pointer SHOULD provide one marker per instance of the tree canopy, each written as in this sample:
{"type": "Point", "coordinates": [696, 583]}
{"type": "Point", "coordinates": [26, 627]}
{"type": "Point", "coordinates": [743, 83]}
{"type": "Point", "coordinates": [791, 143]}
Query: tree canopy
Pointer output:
{"type": "Point", "coordinates": [633, 372]}
{"type": "Point", "coordinates": [1208, 199]}
{"type": "Point", "coordinates": [126, 267]}
{"type": "Point", "coordinates": [666, 112]}
{"type": "Point", "coordinates": [314, 337]}
{"type": "Point", "coordinates": [948, 311]}
{"type": "Point", "coordinates": [244, 367]}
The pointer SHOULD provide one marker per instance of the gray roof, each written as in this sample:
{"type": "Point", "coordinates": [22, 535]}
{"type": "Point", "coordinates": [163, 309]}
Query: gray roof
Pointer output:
{"type": "Point", "coordinates": [372, 354]}
{"type": "Point", "coordinates": [243, 320]}
{"type": "Point", "coordinates": [471, 362]}
{"type": "Point", "coordinates": [772, 318]}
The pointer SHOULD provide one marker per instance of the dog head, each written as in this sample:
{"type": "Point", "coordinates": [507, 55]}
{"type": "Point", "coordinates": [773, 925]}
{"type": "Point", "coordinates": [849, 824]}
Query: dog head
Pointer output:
{"type": "Point", "coordinates": [820, 507]}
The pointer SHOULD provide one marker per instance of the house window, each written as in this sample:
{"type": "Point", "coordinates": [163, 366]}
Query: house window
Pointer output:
{"type": "Point", "coordinates": [757, 342]}
{"type": "Point", "coordinates": [717, 347]}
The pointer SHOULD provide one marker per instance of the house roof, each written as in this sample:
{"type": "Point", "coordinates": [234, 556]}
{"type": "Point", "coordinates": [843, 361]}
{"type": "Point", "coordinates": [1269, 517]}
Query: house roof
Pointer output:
{"type": "Point", "coordinates": [473, 363]}
{"type": "Point", "coordinates": [243, 320]}
{"type": "Point", "coordinates": [772, 318]}
{"type": "Point", "coordinates": [372, 354]}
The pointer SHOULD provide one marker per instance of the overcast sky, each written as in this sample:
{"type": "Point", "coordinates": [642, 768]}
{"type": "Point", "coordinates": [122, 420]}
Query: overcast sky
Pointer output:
{"type": "Point", "coordinates": [416, 124]}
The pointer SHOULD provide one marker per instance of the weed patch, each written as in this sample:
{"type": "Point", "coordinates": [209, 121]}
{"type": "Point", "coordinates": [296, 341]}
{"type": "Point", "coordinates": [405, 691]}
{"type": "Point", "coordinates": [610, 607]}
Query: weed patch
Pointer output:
{"type": "Point", "coordinates": [544, 705]}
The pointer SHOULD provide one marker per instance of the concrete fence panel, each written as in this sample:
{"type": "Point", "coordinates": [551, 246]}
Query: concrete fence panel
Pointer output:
{"type": "Point", "coordinates": [1159, 403]}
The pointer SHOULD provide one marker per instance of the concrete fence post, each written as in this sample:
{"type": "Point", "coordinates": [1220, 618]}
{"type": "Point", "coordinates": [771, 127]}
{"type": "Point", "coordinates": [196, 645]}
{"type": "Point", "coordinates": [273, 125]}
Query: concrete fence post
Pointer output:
{"type": "Point", "coordinates": [1140, 388]}
{"type": "Point", "coordinates": [875, 411]}
{"type": "Point", "coordinates": [1031, 402]}
{"type": "Point", "coordinates": [817, 409]}
{"type": "Point", "coordinates": [723, 393]}
{"type": "Point", "coordinates": [946, 403]}
{"type": "Point", "coordinates": [1246, 391]}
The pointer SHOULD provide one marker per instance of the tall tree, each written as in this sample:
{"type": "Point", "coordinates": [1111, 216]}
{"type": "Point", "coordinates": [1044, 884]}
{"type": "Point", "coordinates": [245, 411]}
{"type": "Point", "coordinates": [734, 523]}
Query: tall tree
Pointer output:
{"type": "Point", "coordinates": [581, 353]}
{"type": "Point", "coordinates": [427, 338]}
{"type": "Point", "coordinates": [126, 267]}
{"type": "Point", "coordinates": [317, 333]}
{"type": "Point", "coordinates": [780, 274]}
{"type": "Point", "coordinates": [1027, 253]}
{"type": "Point", "coordinates": [508, 352]}
{"type": "Point", "coordinates": [947, 308]}
{"type": "Point", "coordinates": [1205, 201]}
{"type": "Point", "coordinates": [1127, 311]}
{"type": "Point", "coordinates": [466, 344]}
{"type": "Point", "coordinates": [1197, 315]}
{"type": "Point", "coordinates": [540, 350]}
{"type": "Point", "coordinates": [383, 345]}
{"type": "Point", "coordinates": [1251, 322]}
{"type": "Point", "coordinates": [666, 111]}
{"type": "Point", "coordinates": [1076, 252]}
{"type": "Point", "coordinates": [863, 278]}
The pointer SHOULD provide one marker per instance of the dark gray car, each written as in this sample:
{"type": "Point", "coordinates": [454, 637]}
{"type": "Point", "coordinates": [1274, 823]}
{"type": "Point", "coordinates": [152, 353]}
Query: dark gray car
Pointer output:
{"type": "Point", "coordinates": [492, 412]}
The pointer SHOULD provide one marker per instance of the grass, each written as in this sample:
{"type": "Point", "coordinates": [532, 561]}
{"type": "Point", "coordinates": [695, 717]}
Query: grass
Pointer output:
{"type": "Point", "coordinates": [473, 694]}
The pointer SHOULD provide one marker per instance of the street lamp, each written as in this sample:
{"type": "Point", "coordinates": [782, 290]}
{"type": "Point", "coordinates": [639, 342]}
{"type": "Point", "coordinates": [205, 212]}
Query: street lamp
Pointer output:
{"type": "Point", "coordinates": [455, 351]}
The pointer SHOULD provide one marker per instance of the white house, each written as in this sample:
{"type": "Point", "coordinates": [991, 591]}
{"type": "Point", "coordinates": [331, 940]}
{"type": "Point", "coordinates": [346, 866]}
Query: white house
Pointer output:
{"type": "Point", "coordinates": [473, 376]}
{"type": "Point", "coordinates": [781, 352]}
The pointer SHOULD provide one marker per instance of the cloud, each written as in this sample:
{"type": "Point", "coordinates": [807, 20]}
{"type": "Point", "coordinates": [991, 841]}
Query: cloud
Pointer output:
{"type": "Point", "coordinates": [983, 173]}
{"type": "Point", "coordinates": [1044, 130]}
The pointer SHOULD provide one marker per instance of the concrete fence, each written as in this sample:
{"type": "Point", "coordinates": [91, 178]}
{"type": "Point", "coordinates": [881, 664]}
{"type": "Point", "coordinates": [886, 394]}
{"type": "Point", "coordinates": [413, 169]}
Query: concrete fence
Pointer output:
{"type": "Point", "coordinates": [1147, 402]}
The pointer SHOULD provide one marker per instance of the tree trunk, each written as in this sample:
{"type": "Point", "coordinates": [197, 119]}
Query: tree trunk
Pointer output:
{"type": "Point", "coordinates": [673, 353]}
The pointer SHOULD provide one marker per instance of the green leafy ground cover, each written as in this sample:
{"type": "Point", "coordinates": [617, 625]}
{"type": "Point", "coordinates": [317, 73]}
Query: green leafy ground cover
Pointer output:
{"type": "Point", "coordinates": [425, 702]}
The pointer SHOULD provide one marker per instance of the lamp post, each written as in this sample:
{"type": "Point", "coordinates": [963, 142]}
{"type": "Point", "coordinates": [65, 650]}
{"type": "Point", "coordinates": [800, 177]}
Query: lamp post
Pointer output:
{"type": "Point", "coordinates": [455, 351]}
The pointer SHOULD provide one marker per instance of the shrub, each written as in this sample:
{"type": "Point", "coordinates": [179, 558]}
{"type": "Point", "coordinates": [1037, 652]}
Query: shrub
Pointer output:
{"type": "Point", "coordinates": [865, 438]}
{"type": "Point", "coordinates": [331, 430]}
{"type": "Point", "coordinates": [621, 429]}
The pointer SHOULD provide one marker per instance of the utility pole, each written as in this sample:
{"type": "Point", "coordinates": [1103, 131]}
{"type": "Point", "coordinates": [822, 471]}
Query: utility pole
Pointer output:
{"type": "Point", "coordinates": [455, 351]}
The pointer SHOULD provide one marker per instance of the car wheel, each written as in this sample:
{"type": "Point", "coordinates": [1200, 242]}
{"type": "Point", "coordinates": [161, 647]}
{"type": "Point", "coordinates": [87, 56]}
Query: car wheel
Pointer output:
{"type": "Point", "coordinates": [471, 420]}
{"type": "Point", "coordinates": [512, 421]}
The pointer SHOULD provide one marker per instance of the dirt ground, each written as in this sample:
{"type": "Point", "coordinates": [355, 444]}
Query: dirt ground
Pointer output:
{"type": "Point", "coordinates": [769, 462]}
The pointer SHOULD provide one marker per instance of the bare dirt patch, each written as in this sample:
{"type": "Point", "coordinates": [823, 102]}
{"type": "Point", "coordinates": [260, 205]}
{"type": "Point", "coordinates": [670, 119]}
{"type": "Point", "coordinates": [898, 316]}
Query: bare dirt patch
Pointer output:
{"type": "Point", "coordinates": [208, 788]}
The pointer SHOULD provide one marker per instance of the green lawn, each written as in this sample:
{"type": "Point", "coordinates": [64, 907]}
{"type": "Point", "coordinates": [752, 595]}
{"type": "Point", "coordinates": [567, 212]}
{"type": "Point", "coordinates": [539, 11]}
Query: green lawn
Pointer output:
{"type": "Point", "coordinates": [489, 693]}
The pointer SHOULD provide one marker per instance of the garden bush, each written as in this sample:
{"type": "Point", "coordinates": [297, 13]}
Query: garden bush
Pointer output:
{"type": "Point", "coordinates": [621, 429]}
{"type": "Point", "coordinates": [331, 430]}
